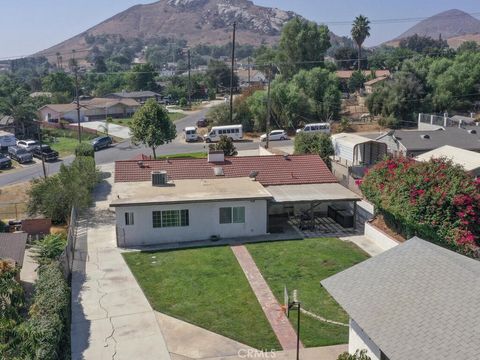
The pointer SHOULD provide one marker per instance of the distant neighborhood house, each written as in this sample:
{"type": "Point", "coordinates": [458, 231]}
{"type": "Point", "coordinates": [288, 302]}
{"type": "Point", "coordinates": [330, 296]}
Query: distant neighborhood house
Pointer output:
{"type": "Point", "coordinates": [182, 200]}
{"type": "Point", "coordinates": [372, 84]}
{"type": "Point", "coordinates": [467, 159]}
{"type": "Point", "coordinates": [139, 96]}
{"type": "Point", "coordinates": [92, 109]}
{"type": "Point", "coordinates": [414, 301]}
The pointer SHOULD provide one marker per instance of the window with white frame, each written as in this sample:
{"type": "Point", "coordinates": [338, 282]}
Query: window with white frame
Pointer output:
{"type": "Point", "coordinates": [229, 215]}
{"type": "Point", "coordinates": [129, 218]}
{"type": "Point", "coordinates": [170, 218]}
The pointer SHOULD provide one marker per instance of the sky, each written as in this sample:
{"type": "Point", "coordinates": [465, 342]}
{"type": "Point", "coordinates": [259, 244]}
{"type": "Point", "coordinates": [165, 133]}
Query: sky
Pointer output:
{"type": "Point", "coordinates": [27, 26]}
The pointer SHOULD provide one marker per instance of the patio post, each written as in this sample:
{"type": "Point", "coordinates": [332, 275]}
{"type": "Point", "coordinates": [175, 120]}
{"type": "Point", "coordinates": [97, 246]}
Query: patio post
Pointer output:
{"type": "Point", "coordinates": [355, 215]}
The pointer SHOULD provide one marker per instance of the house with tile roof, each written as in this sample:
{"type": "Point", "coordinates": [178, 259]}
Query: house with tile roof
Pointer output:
{"type": "Point", "coordinates": [184, 200]}
{"type": "Point", "coordinates": [414, 301]}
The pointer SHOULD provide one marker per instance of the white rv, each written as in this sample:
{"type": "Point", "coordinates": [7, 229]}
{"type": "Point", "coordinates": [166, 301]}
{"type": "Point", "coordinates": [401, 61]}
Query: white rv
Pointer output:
{"type": "Point", "coordinates": [234, 132]}
{"type": "Point", "coordinates": [7, 139]}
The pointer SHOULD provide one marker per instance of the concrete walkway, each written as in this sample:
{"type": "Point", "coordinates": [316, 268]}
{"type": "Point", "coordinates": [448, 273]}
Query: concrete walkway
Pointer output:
{"type": "Point", "coordinates": [364, 243]}
{"type": "Point", "coordinates": [111, 318]}
{"type": "Point", "coordinates": [119, 131]}
{"type": "Point", "coordinates": [273, 311]}
{"type": "Point", "coordinates": [187, 341]}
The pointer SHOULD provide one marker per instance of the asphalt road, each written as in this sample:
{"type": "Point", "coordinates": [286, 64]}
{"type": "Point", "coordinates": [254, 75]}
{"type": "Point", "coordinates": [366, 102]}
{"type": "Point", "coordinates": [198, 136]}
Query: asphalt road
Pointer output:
{"type": "Point", "coordinates": [126, 150]}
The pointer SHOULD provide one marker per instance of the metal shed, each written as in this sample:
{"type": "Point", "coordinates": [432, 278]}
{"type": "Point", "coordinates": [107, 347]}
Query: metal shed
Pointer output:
{"type": "Point", "coordinates": [358, 150]}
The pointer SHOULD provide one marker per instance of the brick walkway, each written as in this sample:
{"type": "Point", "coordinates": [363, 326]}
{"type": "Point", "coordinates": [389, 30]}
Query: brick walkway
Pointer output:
{"type": "Point", "coordinates": [273, 311]}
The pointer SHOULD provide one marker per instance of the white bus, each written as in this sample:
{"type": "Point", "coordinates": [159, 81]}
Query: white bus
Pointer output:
{"type": "Point", "coordinates": [318, 127]}
{"type": "Point", "coordinates": [190, 134]}
{"type": "Point", "coordinates": [234, 132]}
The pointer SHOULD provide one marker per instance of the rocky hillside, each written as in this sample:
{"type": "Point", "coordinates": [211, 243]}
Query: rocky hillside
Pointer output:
{"type": "Point", "coordinates": [196, 21]}
{"type": "Point", "coordinates": [448, 24]}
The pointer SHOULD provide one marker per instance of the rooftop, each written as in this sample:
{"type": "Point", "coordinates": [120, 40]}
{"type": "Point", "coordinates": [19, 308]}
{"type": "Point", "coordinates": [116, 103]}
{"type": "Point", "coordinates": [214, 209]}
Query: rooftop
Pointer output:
{"type": "Point", "coordinates": [347, 74]}
{"type": "Point", "coordinates": [312, 192]}
{"type": "Point", "coordinates": [415, 301]}
{"type": "Point", "coordinates": [272, 170]}
{"type": "Point", "coordinates": [470, 160]}
{"type": "Point", "coordinates": [461, 138]}
{"type": "Point", "coordinates": [376, 80]}
{"type": "Point", "coordinates": [351, 139]}
{"type": "Point", "coordinates": [12, 246]}
{"type": "Point", "coordinates": [187, 191]}
{"type": "Point", "coordinates": [134, 94]}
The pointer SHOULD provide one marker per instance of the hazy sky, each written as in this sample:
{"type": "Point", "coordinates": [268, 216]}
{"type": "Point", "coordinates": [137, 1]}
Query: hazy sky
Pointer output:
{"type": "Point", "coordinates": [27, 26]}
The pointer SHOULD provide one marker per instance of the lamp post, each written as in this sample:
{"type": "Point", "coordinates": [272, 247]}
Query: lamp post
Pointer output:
{"type": "Point", "coordinates": [295, 305]}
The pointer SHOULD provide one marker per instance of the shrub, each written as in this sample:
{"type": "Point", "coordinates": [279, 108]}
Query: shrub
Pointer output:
{"type": "Point", "coordinates": [183, 102]}
{"type": "Point", "coordinates": [359, 355]}
{"type": "Point", "coordinates": [85, 149]}
{"type": "Point", "coordinates": [435, 200]}
{"type": "Point", "coordinates": [226, 145]}
{"type": "Point", "coordinates": [316, 143]}
{"type": "Point", "coordinates": [45, 335]}
{"type": "Point", "coordinates": [49, 248]}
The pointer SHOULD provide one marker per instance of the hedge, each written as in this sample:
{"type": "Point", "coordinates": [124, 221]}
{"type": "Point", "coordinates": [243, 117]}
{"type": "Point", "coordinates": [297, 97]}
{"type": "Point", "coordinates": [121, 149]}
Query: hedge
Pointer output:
{"type": "Point", "coordinates": [85, 149]}
{"type": "Point", "coordinates": [435, 200]}
{"type": "Point", "coordinates": [45, 335]}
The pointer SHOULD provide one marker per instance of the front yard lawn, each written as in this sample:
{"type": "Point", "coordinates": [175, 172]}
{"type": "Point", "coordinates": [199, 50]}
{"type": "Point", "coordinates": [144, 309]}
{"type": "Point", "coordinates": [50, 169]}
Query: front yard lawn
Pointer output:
{"type": "Point", "coordinates": [205, 287]}
{"type": "Point", "coordinates": [64, 145]}
{"type": "Point", "coordinates": [302, 265]}
{"type": "Point", "coordinates": [126, 121]}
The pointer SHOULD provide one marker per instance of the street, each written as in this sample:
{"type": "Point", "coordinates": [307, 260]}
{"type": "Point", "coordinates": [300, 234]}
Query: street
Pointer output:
{"type": "Point", "coordinates": [126, 150]}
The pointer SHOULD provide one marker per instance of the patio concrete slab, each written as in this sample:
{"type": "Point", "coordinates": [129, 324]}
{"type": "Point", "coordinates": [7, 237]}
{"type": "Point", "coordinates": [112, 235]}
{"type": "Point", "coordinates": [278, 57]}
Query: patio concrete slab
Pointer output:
{"type": "Point", "coordinates": [187, 341]}
{"type": "Point", "coordinates": [364, 243]}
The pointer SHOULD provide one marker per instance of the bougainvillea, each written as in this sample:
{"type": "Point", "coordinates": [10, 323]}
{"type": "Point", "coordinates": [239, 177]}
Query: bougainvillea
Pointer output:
{"type": "Point", "coordinates": [436, 200]}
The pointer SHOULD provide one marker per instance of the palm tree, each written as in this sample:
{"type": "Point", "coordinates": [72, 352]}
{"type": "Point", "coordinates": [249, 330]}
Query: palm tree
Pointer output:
{"type": "Point", "coordinates": [360, 31]}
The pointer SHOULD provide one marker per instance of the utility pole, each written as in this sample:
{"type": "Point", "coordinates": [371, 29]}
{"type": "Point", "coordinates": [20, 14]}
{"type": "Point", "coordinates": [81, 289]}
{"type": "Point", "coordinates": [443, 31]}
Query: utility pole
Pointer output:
{"type": "Point", "coordinates": [40, 143]}
{"type": "Point", "coordinates": [189, 80]}
{"type": "Point", "coordinates": [232, 73]}
{"type": "Point", "coordinates": [249, 71]}
{"type": "Point", "coordinates": [269, 106]}
{"type": "Point", "coordinates": [77, 95]}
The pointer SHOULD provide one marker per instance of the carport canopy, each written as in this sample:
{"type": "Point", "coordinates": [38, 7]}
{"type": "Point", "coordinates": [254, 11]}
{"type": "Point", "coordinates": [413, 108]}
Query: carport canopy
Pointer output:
{"type": "Point", "coordinates": [312, 193]}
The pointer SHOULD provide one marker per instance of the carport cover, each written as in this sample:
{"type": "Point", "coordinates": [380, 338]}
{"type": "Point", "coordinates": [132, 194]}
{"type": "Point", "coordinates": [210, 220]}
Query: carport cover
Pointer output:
{"type": "Point", "coordinates": [312, 192]}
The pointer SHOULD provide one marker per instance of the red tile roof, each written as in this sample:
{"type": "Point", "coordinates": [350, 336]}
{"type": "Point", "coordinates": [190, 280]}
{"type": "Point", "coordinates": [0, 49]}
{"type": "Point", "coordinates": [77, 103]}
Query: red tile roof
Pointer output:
{"type": "Point", "coordinates": [272, 170]}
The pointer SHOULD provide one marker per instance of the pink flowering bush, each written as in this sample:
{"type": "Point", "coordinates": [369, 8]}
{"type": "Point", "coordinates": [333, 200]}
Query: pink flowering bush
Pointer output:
{"type": "Point", "coordinates": [435, 200]}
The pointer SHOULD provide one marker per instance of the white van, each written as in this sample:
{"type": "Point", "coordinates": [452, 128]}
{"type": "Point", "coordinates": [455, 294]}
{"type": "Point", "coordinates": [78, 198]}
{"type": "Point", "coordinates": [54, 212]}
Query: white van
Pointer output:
{"type": "Point", "coordinates": [7, 139]}
{"type": "Point", "coordinates": [190, 134]}
{"type": "Point", "coordinates": [234, 132]}
{"type": "Point", "coordinates": [318, 127]}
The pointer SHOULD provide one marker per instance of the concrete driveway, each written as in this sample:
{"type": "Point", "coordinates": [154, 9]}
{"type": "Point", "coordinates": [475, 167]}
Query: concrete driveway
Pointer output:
{"type": "Point", "coordinates": [119, 131]}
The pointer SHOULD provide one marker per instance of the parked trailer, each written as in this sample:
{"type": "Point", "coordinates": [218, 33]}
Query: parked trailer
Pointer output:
{"type": "Point", "coordinates": [7, 139]}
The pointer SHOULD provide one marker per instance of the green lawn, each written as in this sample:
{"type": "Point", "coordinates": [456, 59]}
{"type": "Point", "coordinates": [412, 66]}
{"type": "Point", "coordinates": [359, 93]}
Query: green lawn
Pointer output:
{"type": "Point", "coordinates": [192, 155]}
{"type": "Point", "coordinates": [302, 265]}
{"type": "Point", "coordinates": [62, 140]}
{"type": "Point", "coordinates": [205, 287]}
{"type": "Point", "coordinates": [126, 121]}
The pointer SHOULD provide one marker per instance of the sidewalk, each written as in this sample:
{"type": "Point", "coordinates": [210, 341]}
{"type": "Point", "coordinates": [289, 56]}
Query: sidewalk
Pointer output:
{"type": "Point", "coordinates": [111, 318]}
{"type": "Point", "coordinates": [270, 306]}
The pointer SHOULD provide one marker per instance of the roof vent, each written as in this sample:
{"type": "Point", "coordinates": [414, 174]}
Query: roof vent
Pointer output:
{"type": "Point", "coordinates": [216, 156]}
{"type": "Point", "coordinates": [218, 171]}
{"type": "Point", "coordinates": [472, 131]}
{"type": "Point", "coordinates": [425, 136]}
{"type": "Point", "coordinates": [159, 178]}
{"type": "Point", "coordinates": [140, 164]}
{"type": "Point", "coordinates": [285, 156]}
{"type": "Point", "coordinates": [253, 175]}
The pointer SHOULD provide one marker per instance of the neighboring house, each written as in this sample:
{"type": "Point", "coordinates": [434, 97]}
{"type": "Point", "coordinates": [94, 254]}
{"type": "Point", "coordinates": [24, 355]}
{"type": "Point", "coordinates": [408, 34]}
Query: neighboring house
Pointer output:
{"type": "Point", "coordinates": [139, 96]}
{"type": "Point", "coordinates": [12, 247]}
{"type": "Point", "coordinates": [372, 84]}
{"type": "Point", "coordinates": [41, 94]}
{"type": "Point", "coordinates": [469, 160]}
{"type": "Point", "coordinates": [436, 122]}
{"type": "Point", "coordinates": [347, 74]}
{"type": "Point", "coordinates": [183, 200]}
{"type": "Point", "coordinates": [416, 142]}
{"type": "Point", "coordinates": [414, 301]}
{"type": "Point", "coordinates": [257, 78]}
{"type": "Point", "coordinates": [91, 109]}
{"type": "Point", "coordinates": [6, 121]}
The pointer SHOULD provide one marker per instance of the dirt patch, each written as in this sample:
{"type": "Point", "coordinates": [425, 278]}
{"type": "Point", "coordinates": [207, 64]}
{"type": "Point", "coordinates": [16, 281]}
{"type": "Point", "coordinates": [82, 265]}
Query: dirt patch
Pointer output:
{"type": "Point", "coordinates": [59, 229]}
{"type": "Point", "coordinates": [379, 222]}
{"type": "Point", "coordinates": [13, 201]}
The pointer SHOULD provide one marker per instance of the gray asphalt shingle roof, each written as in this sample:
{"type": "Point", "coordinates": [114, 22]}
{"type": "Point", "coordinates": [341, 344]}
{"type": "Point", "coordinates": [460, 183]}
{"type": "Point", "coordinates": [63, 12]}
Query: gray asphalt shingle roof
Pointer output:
{"type": "Point", "coordinates": [135, 94]}
{"type": "Point", "coordinates": [415, 301]}
{"type": "Point", "coordinates": [460, 138]}
{"type": "Point", "coordinates": [12, 246]}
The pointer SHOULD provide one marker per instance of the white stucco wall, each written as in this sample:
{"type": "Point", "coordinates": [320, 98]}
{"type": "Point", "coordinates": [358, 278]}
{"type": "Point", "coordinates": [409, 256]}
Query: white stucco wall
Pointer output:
{"type": "Point", "coordinates": [359, 340]}
{"type": "Point", "coordinates": [203, 223]}
{"type": "Point", "coordinates": [381, 239]}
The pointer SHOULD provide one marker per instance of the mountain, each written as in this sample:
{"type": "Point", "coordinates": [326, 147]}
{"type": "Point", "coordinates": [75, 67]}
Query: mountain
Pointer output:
{"type": "Point", "coordinates": [449, 24]}
{"type": "Point", "coordinates": [196, 21]}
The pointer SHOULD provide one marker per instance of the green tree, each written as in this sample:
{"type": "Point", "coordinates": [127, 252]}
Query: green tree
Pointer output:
{"type": "Point", "coordinates": [219, 74]}
{"type": "Point", "coordinates": [356, 81]}
{"type": "Point", "coordinates": [58, 82]}
{"type": "Point", "coordinates": [360, 31]}
{"type": "Point", "coordinates": [468, 46]}
{"type": "Point", "coordinates": [315, 143]}
{"type": "Point", "coordinates": [345, 57]}
{"type": "Point", "coordinates": [49, 248]}
{"type": "Point", "coordinates": [302, 46]}
{"type": "Point", "coordinates": [226, 145]}
{"type": "Point", "coordinates": [257, 105]}
{"type": "Point", "coordinates": [152, 126]}
{"type": "Point", "coordinates": [424, 45]}
{"type": "Point", "coordinates": [142, 77]}
{"type": "Point", "coordinates": [219, 115]}
{"type": "Point", "coordinates": [85, 149]}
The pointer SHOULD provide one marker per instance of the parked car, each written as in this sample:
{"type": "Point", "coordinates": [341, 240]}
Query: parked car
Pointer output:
{"type": "Point", "coordinates": [19, 154]}
{"type": "Point", "coordinates": [190, 134]}
{"type": "Point", "coordinates": [28, 145]}
{"type": "Point", "coordinates": [275, 135]}
{"type": "Point", "coordinates": [45, 152]}
{"type": "Point", "coordinates": [5, 162]}
{"type": "Point", "coordinates": [101, 142]}
{"type": "Point", "coordinates": [202, 122]}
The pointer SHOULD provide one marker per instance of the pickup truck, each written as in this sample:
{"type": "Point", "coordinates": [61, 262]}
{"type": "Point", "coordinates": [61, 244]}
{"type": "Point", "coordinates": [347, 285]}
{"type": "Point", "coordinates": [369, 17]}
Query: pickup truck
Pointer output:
{"type": "Point", "coordinates": [45, 152]}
